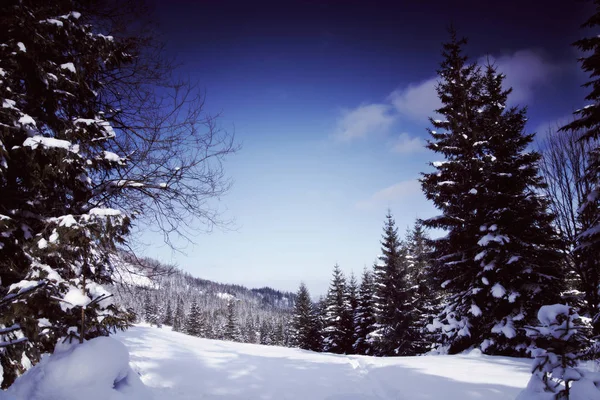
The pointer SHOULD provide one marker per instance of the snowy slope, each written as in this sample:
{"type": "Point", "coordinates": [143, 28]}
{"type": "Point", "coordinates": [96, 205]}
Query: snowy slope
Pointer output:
{"type": "Point", "coordinates": [178, 367]}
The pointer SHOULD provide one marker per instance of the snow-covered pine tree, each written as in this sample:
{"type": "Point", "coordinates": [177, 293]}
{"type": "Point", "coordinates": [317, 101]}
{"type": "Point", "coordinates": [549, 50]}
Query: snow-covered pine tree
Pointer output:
{"type": "Point", "coordinates": [168, 317]}
{"type": "Point", "coordinates": [518, 258]}
{"type": "Point", "coordinates": [427, 302]}
{"type": "Point", "coordinates": [498, 261]}
{"type": "Point", "coordinates": [587, 121]}
{"type": "Point", "coordinates": [150, 311]}
{"type": "Point", "coordinates": [337, 328]}
{"type": "Point", "coordinates": [195, 324]}
{"type": "Point", "coordinates": [304, 325]}
{"type": "Point", "coordinates": [55, 141]}
{"type": "Point", "coordinates": [231, 329]}
{"type": "Point", "coordinates": [452, 187]}
{"type": "Point", "coordinates": [560, 339]}
{"type": "Point", "coordinates": [352, 293]}
{"type": "Point", "coordinates": [394, 300]}
{"type": "Point", "coordinates": [179, 317]}
{"type": "Point", "coordinates": [364, 320]}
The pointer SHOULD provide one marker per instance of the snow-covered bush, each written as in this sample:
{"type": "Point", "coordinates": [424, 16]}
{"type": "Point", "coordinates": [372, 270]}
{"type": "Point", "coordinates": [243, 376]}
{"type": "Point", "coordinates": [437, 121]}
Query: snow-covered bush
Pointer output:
{"type": "Point", "coordinates": [97, 369]}
{"type": "Point", "coordinates": [558, 344]}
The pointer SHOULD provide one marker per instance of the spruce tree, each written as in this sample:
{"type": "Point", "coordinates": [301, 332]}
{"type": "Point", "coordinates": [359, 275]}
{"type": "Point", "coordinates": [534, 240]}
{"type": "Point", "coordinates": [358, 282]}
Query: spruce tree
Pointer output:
{"type": "Point", "coordinates": [304, 324]}
{"type": "Point", "coordinates": [452, 187]}
{"type": "Point", "coordinates": [497, 263]}
{"type": "Point", "coordinates": [231, 328]}
{"type": "Point", "coordinates": [56, 224]}
{"type": "Point", "coordinates": [518, 256]}
{"type": "Point", "coordinates": [168, 317]}
{"type": "Point", "coordinates": [394, 299]}
{"type": "Point", "coordinates": [179, 317]}
{"type": "Point", "coordinates": [587, 122]}
{"type": "Point", "coordinates": [337, 328]}
{"type": "Point", "coordinates": [195, 324]}
{"type": "Point", "coordinates": [426, 298]}
{"type": "Point", "coordinates": [352, 294]}
{"type": "Point", "coordinates": [364, 320]}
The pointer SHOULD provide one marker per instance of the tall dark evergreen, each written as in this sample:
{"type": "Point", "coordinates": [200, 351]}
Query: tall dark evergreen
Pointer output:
{"type": "Point", "coordinates": [427, 299]}
{"type": "Point", "coordinates": [337, 328]}
{"type": "Point", "coordinates": [519, 250]}
{"type": "Point", "coordinates": [179, 317]}
{"type": "Point", "coordinates": [168, 317]}
{"type": "Point", "coordinates": [452, 187]}
{"type": "Point", "coordinates": [364, 319]}
{"type": "Point", "coordinates": [498, 260]}
{"type": "Point", "coordinates": [56, 224]}
{"type": "Point", "coordinates": [305, 330]}
{"type": "Point", "coordinates": [195, 324]}
{"type": "Point", "coordinates": [394, 299]}
{"type": "Point", "coordinates": [231, 328]}
{"type": "Point", "coordinates": [587, 123]}
{"type": "Point", "coordinates": [352, 294]}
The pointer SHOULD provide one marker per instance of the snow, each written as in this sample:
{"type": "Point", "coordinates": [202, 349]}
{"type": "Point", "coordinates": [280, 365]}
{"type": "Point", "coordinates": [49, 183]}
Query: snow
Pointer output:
{"type": "Point", "coordinates": [104, 212]}
{"type": "Point", "coordinates": [48, 142]}
{"type": "Point", "coordinates": [498, 291]}
{"type": "Point", "coordinates": [475, 310]}
{"type": "Point", "coordinates": [98, 369]}
{"type": "Point", "coordinates": [110, 156]}
{"type": "Point", "coordinates": [547, 314]}
{"type": "Point", "coordinates": [491, 237]}
{"type": "Point", "coordinates": [8, 103]}
{"type": "Point", "coordinates": [68, 66]}
{"type": "Point", "coordinates": [22, 47]}
{"type": "Point", "coordinates": [225, 296]}
{"type": "Point", "coordinates": [52, 21]}
{"type": "Point", "coordinates": [175, 366]}
{"type": "Point", "coordinates": [74, 298]}
{"type": "Point", "coordinates": [27, 120]}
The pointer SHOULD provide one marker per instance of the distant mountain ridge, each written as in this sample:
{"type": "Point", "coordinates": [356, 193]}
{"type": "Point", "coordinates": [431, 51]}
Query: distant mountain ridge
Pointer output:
{"type": "Point", "coordinates": [152, 290]}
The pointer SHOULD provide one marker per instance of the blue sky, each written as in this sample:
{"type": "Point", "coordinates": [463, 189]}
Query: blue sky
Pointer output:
{"type": "Point", "coordinates": [330, 102]}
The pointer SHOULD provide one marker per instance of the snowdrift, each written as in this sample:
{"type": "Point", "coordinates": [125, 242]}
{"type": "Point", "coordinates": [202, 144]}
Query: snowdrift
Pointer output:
{"type": "Point", "coordinates": [98, 369]}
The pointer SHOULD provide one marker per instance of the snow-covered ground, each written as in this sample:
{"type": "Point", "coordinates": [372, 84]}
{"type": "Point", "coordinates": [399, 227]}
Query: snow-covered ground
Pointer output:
{"type": "Point", "coordinates": [180, 367]}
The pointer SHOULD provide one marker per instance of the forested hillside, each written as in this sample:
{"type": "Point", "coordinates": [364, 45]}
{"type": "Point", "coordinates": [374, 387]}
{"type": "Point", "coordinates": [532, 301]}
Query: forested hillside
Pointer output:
{"type": "Point", "coordinates": [164, 295]}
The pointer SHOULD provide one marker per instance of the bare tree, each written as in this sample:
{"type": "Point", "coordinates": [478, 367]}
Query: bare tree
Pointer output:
{"type": "Point", "coordinates": [563, 165]}
{"type": "Point", "coordinates": [173, 170]}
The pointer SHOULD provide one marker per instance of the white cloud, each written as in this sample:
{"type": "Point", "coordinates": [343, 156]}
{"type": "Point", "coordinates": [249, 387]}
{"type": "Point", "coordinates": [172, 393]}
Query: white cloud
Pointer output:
{"type": "Point", "coordinates": [392, 194]}
{"type": "Point", "coordinates": [405, 144]}
{"type": "Point", "coordinates": [416, 101]}
{"type": "Point", "coordinates": [525, 71]}
{"type": "Point", "coordinates": [364, 120]}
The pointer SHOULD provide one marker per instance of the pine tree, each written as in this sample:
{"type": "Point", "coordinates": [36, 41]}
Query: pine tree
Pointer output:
{"type": "Point", "coordinates": [518, 256]}
{"type": "Point", "coordinates": [56, 224]}
{"type": "Point", "coordinates": [497, 262]}
{"type": "Point", "coordinates": [337, 329]}
{"type": "Point", "coordinates": [427, 299]}
{"type": "Point", "coordinates": [352, 295]}
{"type": "Point", "coordinates": [231, 328]}
{"type": "Point", "coordinates": [560, 339]}
{"type": "Point", "coordinates": [394, 300]}
{"type": "Point", "coordinates": [587, 121]}
{"type": "Point", "coordinates": [304, 325]}
{"type": "Point", "coordinates": [179, 318]}
{"type": "Point", "coordinates": [452, 187]}
{"type": "Point", "coordinates": [168, 317]}
{"type": "Point", "coordinates": [195, 324]}
{"type": "Point", "coordinates": [364, 320]}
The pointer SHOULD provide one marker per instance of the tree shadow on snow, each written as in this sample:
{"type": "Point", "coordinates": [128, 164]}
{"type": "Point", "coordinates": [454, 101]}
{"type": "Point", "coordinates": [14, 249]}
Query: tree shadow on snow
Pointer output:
{"type": "Point", "coordinates": [181, 367]}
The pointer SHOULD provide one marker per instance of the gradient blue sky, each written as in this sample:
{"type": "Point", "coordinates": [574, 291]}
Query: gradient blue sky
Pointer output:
{"type": "Point", "coordinates": [330, 102]}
